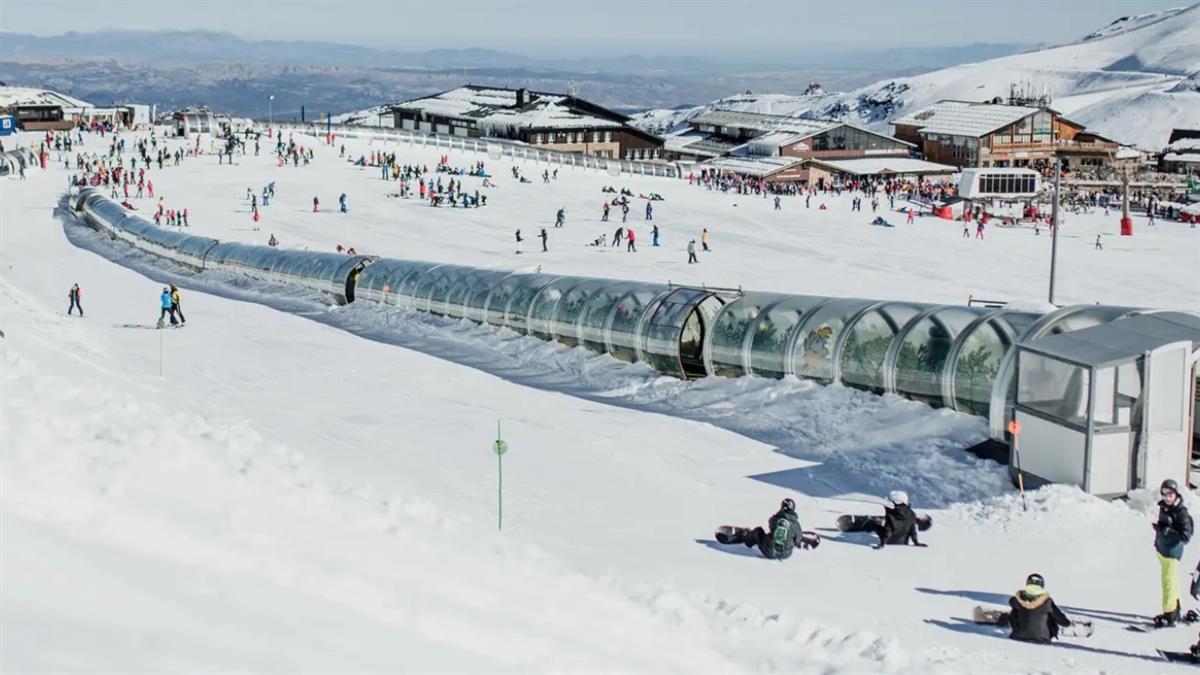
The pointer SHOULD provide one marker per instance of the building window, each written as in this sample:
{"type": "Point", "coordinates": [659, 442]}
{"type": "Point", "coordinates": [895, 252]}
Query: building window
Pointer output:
{"type": "Point", "coordinates": [608, 136]}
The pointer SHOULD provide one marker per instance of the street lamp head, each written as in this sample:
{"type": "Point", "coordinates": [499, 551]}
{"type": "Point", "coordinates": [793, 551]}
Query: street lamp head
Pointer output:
{"type": "Point", "coordinates": [271, 97]}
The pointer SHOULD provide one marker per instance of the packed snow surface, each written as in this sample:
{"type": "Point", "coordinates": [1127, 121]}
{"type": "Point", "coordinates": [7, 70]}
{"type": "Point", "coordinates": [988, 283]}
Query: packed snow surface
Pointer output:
{"type": "Point", "coordinates": [311, 488]}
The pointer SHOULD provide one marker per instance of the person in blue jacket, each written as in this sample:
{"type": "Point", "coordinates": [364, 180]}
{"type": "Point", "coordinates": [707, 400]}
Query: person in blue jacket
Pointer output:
{"type": "Point", "coordinates": [167, 308]}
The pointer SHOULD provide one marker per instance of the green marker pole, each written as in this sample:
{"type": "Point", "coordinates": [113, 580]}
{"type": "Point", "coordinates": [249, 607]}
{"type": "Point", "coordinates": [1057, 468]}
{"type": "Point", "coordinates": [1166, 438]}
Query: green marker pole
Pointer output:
{"type": "Point", "coordinates": [499, 447]}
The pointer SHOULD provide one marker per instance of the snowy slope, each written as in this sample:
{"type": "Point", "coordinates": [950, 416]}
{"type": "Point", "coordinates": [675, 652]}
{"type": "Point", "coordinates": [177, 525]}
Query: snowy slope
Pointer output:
{"type": "Point", "coordinates": [1127, 81]}
{"type": "Point", "coordinates": [310, 488]}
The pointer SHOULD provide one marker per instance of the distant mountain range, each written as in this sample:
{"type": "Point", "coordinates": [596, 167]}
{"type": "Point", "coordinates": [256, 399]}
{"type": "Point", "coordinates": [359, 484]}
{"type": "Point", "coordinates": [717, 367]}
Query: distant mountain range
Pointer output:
{"type": "Point", "coordinates": [177, 68]}
{"type": "Point", "coordinates": [1133, 80]}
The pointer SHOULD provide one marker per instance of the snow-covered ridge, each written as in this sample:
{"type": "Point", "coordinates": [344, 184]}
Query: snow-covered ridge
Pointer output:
{"type": "Point", "coordinates": [1133, 81]}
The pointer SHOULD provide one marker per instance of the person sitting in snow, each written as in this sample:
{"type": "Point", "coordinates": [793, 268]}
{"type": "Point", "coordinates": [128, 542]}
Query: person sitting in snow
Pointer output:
{"type": "Point", "coordinates": [782, 536]}
{"type": "Point", "coordinates": [1034, 616]}
{"type": "Point", "coordinates": [899, 525]}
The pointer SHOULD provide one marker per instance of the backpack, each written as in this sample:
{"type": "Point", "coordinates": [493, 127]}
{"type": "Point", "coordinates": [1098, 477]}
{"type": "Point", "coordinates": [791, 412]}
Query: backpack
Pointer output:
{"type": "Point", "coordinates": [781, 537]}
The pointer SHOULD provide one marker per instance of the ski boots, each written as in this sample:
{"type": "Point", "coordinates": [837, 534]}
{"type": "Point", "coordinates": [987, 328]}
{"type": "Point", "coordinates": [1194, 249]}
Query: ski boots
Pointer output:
{"type": "Point", "coordinates": [1168, 619]}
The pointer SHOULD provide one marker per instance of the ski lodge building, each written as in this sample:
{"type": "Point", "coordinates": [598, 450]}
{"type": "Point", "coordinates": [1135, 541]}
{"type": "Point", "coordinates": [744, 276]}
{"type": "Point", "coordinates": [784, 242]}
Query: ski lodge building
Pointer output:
{"type": "Point", "coordinates": [553, 121]}
{"type": "Point", "coordinates": [786, 149]}
{"type": "Point", "coordinates": [994, 134]}
{"type": "Point", "coordinates": [1182, 154]}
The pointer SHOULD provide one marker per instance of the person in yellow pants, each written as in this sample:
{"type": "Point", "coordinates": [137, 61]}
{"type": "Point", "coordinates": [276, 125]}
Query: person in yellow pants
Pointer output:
{"type": "Point", "coordinates": [1172, 531]}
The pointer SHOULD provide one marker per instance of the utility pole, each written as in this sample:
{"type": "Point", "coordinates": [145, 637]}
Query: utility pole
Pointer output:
{"type": "Point", "coordinates": [270, 110]}
{"type": "Point", "coordinates": [1054, 225]}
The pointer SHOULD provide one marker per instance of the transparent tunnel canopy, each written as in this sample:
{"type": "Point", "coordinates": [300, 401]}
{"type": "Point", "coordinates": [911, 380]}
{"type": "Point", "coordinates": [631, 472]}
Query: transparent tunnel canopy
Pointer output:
{"type": "Point", "coordinates": [545, 306]}
{"type": "Point", "coordinates": [497, 301]}
{"type": "Point", "coordinates": [516, 316]}
{"type": "Point", "coordinates": [924, 349]}
{"type": "Point", "coordinates": [460, 291]}
{"type": "Point", "coordinates": [726, 353]}
{"type": "Point", "coordinates": [815, 339]}
{"type": "Point", "coordinates": [627, 315]}
{"type": "Point", "coordinates": [380, 281]}
{"type": "Point", "coordinates": [774, 331]}
{"type": "Point", "coordinates": [671, 336]}
{"type": "Point", "coordinates": [594, 320]}
{"type": "Point", "coordinates": [406, 284]}
{"type": "Point", "coordinates": [867, 341]}
{"type": "Point", "coordinates": [422, 286]}
{"type": "Point", "coordinates": [565, 326]}
{"type": "Point", "coordinates": [433, 287]}
{"type": "Point", "coordinates": [475, 299]}
{"type": "Point", "coordinates": [980, 350]}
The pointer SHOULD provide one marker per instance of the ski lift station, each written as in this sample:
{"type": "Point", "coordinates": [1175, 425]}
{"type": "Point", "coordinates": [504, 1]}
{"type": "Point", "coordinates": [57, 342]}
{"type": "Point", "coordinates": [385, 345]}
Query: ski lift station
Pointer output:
{"type": "Point", "coordinates": [1104, 393]}
{"type": "Point", "coordinates": [1001, 183]}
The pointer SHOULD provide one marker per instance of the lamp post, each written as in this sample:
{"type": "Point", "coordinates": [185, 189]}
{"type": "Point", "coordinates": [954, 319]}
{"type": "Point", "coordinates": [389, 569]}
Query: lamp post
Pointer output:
{"type": "Point", "coordinates": [270, 109]}
{"type": "Point", "coordinates": [1054, 233]}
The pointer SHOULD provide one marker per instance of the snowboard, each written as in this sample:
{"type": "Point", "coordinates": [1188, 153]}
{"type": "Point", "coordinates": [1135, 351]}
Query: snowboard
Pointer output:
{"type": "Point", "coordinates": [730, 535]}
{"type": "Point", "coordinates": [1179, 657]}
{"type": "Point", "coordinates": [859, 523]}
{"type": "Point", "coordinates": [1189, 617]}
{"type": "Point", "coordinates": [992, 617]}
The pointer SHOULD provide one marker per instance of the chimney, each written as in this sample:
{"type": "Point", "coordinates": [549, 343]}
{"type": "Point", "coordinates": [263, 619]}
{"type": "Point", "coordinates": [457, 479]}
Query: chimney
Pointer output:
{"type": "Point", "coordinates": [521, 96]}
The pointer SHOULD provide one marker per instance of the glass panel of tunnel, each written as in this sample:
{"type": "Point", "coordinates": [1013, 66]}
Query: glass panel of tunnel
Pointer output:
{"type": "Point", "coordinates": [452, 277]}
{"type": "Point", "coordinates": [867, 342]}
{"type": "Point", "coordinates": [545, 306]}
{"type": "Point", "coordinates": [672, 335]}
{"type": "Point", "coordinates": [811, 354]}
{"type": "Point", "coordinates": [594, 320]}
{"type": "Point", "coordinates": [423, 285]}
{"type": "Point", "coordinates": [627, 314]}
{"type": "Point", "coordinates": [923, 352]}
{"type": "Point", "coordinates": [474, 301]}
{"type": "Point", "coordinates": [774, 331]}
{"type": "Point", "coordinates": [726, 354]}
{"type": "Point", "coordinates": [407, 284]}
{"type": "Point", "coordinates": [977, 358]}
{"type": "Point", "coordinates": [570, 308]}
{"type": "Point", "coordinates": [516, 316]}
{"type": "Point", "coordinates": [497, 301]}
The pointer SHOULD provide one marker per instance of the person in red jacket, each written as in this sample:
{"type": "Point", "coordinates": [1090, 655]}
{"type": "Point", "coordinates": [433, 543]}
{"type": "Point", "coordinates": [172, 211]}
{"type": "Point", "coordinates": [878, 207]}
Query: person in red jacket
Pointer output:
{"type": "Point", "coordinates": [74, 295]}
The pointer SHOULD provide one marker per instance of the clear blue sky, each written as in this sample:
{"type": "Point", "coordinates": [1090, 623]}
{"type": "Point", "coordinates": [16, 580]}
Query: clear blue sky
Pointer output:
{"type": "Point", "coordinates": [720, 29]}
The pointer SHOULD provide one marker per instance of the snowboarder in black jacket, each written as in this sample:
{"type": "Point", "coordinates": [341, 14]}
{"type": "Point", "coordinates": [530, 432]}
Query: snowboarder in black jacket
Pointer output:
{"type": "Point", "coordinates": [1172, 531]}
{"type": "Point", "coordinates": [1034, 616]}
{"type": "Point", "coordinates": [899, 523]}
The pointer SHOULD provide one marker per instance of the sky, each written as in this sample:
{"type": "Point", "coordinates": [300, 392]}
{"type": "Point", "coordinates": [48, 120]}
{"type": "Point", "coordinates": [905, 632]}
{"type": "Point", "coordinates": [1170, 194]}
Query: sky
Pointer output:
{"type": "Point", "coordinates": [715, 28]}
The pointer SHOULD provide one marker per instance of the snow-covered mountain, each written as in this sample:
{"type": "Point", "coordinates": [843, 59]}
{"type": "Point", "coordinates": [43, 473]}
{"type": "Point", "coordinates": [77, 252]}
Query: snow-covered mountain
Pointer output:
{"type": "Point", "coordinates": [1133, 80]}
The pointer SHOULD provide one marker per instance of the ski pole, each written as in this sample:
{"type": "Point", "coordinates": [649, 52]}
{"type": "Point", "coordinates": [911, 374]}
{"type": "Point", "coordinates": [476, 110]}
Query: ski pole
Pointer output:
{"type": "Point", "coordinates": [1014, 428]}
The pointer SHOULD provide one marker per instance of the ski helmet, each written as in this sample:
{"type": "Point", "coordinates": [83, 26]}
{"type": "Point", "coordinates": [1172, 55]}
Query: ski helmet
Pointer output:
{"type": "Point", "coordinates": [1035, 579]}
{"type": "Point", "coordinates": [898, 497]}
{"type": "Point", "coordinates": [1169, 485]}
{"type": "Point", "coordinates": [787, 504]}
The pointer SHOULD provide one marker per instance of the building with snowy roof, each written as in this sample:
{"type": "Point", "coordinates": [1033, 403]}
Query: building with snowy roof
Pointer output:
{"type": "Point", "coordinates": [765, 135]}
{"type": "Point", "coordinates": [40, 109]}
{"type": "Point", "coordinates": [993, 134]}
{"type": "Point", "coordinates": [1182, 155]}
{"type": "Point", "coordinates": [554, 121]}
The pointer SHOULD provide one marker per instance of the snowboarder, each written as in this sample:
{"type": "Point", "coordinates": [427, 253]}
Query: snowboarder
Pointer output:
{"type": "Point", "coordinates": [272, 241]}
{"type": "Point", "coordinates": [691, 249]}
{"type": "Point", "coordinates": [1172, 531]}
{"type": "Point", "coordinates": [899, 525]}
{"type": "Point", "coordinates": [782, 536]}
{"type": "Point", "coordinates": [176, 308]}
{"type": "Point", "coordinates": [617, 236]}
{"type": "Point", "coordinates": [342, 203]}
{"type": "Point", "coordinates": [74, 295]}
{"type": "Point", "coordinates": [1099, 246]}
{"type": "Point", "coordinates": [519, 240]}
{"type": "Point", "coordinates": [604, 216]}
{"type": "Point", "coordinates": [560, 218]}
{"type": "Point", "coordinates": [704, 240]}
{"type": "Point", "coordinates": [316, 203]}
{"type": "Point", "coordinates": [543, 235]}
{"type": "Point", "coordinates": [654, 235]}
{"type": "Point", "coordinates": [1033, 616]}
{"type": "Point", "coordinates": [649, 211]}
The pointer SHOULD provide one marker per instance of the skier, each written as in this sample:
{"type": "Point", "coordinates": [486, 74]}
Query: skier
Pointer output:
{"type": "Point", "coordinates": [1099, 246]}
{"type": "Point", "coordinates": [617, 236]}
{"type": "Point", "coordinates": [316, 203]}
{"type": "Point", "coordinates": [630, 237]}
{"type": "Point", "coordinates": [342, 203]}
{"type": "Point", "coordinates": [165, 302]}
{"type": "Point", "coordinates": [543, 235]}
{"type": "Point", "coordinates": [649, 211]}
{"type": "Point", "coordinates": [704, 240]}
{"type": "Point", "coordinates": [899, 525]}
{"type": "Point", "coordinates": [175, 306]}
{"type": "Point", "coordinates": [654, 235]}
{"type": "Point", "coordinates": [74, 295]}
{"type": "Point", "coordinates": [1034, 616]}
{"type": "Point", "coordinates": [560, 218]}
{"type": "Point", "coordinates": [519, 240]}
{"type": "Point", "coordinates": [691, 249]}
{"type": "Point", "coordinates": [1173, 530]}
{"type": "Point", "coordinates": [604, 217]}
{"type": "Point", "coordinates": [782, 536]}
{"type": "Point", "coordinates": [777, 202]}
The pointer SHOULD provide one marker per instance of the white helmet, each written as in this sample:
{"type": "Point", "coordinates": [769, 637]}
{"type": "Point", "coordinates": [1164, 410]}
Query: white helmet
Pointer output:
{"type": "Point", "coordinates": [898, 497]}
